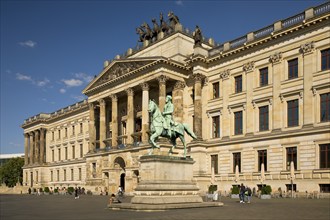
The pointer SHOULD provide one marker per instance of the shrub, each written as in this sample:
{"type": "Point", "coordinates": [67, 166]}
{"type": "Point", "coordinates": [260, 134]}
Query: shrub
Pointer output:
{"type": "Point", "coordinates": [266, 190]}
{"type": "Point", "coordinates": [235, 190]}
{"type": "Point", "coordinates": [46, 189]}
{"type": "Point", "coordinates": [70, 190]}
{"type": "Point", "coordinates": [56, 190]}
{"type": "Point", "coordinates": [213, 188]}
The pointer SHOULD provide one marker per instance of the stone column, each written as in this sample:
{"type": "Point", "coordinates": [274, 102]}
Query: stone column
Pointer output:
{"type": "Point", "coordinates": [145, 113]}
{"type": "Point", "coordinates": [248, 68]}
{"type": "Point", "coordinates": [276, 59]}
{"type": "Point", "coordinates": [130, 115]}
{"type": "Point", "coordinates": [31, 147]}
{"type": "Point", "coordinates": [26, 149]}
{"type": "Point", "coordinates": [162, 91]}
{"type": "Point", "coordinates": [198, 105]}
{"type": "Point", "coordinates": [42, 146]}
{"type": "Point", "coordinates": [308, 69]}
{"type": "Point", "coordinates": [114, 121]}
{"type": "Point", "coordinates": [178, 101]}
{"type": "Point", "coordinates": [102, 123]}
{"type": "Point", "coordinates": [92, 130]}
{"type": "Point", "coordinates": [36, 146]}
{"type": "Point", "coordinates": [226, 91]}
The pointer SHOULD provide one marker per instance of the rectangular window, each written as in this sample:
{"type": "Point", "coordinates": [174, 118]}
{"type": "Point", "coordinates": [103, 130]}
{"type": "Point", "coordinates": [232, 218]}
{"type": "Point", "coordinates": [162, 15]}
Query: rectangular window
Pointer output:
{"type": "Point", "coordinates": [216, 126]}
{"type": "Point", "coordinates": [66, 153]}
{"type": "Point", "coordinates": [94, 170]}
{"type": "Point", "coordinates": [64, 175]}
{"type": "Point", "coordinates": [214, 163]}
{"type": "Point", "coordinates": [73, 130]}
{"type": "Point", "coordinates": [262, 159]}
{"type": "Point", "coordinates": [237, 161]}
{"type": "Point", "coordinates": [53, 136]}
{"type": "Point", "coordinates": [81, 151]}
{"type": "Point", "coordinates": [325, 107]}
{"type": "Point", "coordinates": [216, 90]}
{"type": "Point", "coordinates": [73, 152]}
{"type": "Point", "coordinates": [58, 175]}
{"type": "Point", "coordinates": [59, 134]}
{"type": "Point", "coordinates": [79, 170]}
{"type": "Point", "coordinates": [291, 155]}
{"type": "Point", "coordinates": [59, 154]}
{"type": "Point", "coordinates": [72, 174]}
{"type": "Point", "coordinates": [238, 122]}
{"type": "Point", "coordinates": [37, 176]}
{"type": "Point", "coordinates": [289, 187]}
{"type": "Point", "coordinates": [293, 68]}
{"type": "Point", "coordinates": [51, 176]}
{"type": "Point", "coordinates": [263, 118]}
{"type": "Point", "coordinates": [293, 113]}
{"type": "Point", "coordinates": [324, 156]}
{"type": "Point", "coordinates": [81, 127]}
{"type": "Point", "coordinates": [325, 59]}
{"type": "Point", "coordinates": [53, 155]}
{"type": "Point", "coordinates": [238, 84]}
{"type": "Point", "coordinates": [263, 76]}
{"type": "Point", "coordinates": [66, 132]}
{"type": "Point", "coordinates": [138, 124]}
{"type": "Point", "coordinates": [325, 188]}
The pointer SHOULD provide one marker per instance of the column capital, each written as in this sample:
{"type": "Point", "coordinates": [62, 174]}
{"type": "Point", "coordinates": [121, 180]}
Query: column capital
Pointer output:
{"type": "Point", "coordinates": [31, 133]}
{"type": "Point", "coordinates": [129, 91]}
{"type": "Point", "coordinates": [162, 79]}
{"type": "Point", "coordinates": [101, 101]}
{"type": "Point", "coordinates": [225, 75]}
{"type": "Point", "coordinates": [248, 67]}
{"type": "Point", "coordinates": [275, 58]}
{"type": "Point", "coordinates": [91, 105]}
{"type": "Point", "coordinates": [179, 85]}
{"type": "Point", "coordinates": [198, 77]}
{"type": "Point", "coordinates": [307, 48]}
{"type": "Point", "coordinates": [26, 135]}
{"type": "Point", "coordinates": [114, 97]}
{"type": "Point", "coordinates": [144, 86]}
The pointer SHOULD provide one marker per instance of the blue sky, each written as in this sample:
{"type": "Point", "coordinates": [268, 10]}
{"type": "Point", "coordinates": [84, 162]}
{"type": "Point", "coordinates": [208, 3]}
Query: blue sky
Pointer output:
{"type": "Point", "coordinates": [50, 50]}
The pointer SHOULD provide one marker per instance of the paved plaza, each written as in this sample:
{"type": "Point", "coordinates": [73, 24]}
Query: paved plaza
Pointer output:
{"type": "Point", "coordinates": [95, 207]}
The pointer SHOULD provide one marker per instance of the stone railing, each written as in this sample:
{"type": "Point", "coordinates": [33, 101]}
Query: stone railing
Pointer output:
{"type": "Point", "coordinates": [269, 30]}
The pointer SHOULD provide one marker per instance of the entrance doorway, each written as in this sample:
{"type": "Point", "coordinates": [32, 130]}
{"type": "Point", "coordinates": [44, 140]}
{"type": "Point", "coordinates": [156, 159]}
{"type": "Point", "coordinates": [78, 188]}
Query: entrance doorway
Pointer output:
{"type": "Point", "coordinates": [122, 181]}
{"type": "Point", "coordinates": [31, 178]}
{"type": "Point", "coordinates": [120, 163]}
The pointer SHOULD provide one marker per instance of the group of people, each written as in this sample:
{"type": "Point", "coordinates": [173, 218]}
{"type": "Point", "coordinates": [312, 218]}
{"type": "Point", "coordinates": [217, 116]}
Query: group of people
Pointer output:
{"type": "Point", "coordinates": [116, 198]}
{"type": "Point", "coordinates": [245, 194]}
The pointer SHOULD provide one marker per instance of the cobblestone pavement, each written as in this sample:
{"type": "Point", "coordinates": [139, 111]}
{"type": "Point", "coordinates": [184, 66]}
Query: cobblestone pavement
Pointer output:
{"type": "Point", "coordinates": [94, 207]}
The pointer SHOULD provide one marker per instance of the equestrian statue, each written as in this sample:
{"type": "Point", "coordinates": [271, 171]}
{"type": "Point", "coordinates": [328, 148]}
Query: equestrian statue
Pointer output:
{"type": "Point", "coordinates": [162, 125]}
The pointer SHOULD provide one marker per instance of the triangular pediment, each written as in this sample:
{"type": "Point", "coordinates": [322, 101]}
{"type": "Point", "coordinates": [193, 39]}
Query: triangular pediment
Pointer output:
{"type": "Point", "coordinates": [117, 70]}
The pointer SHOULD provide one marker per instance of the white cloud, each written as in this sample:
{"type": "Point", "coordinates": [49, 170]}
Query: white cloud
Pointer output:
{"type": "Point", "coordinates": [72, 82]}
{"type": "Point", "coordinates": [42, 83]}
{"type": "Point", "coordinates": [179, 2]}
{"type": "Point", "coordinates": [20, 76]}
{"type": "Point", "coordinates": [62, 91]}
{"type": "Point", "coordinates": [28, 43]}
{"type": "Point", "coordinates": [83, 76]}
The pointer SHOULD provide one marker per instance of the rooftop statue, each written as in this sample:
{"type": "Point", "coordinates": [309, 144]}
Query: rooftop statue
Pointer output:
{"type": "Point", "coordinates": [162, 125]}
{"type": "Point", "coordinates": [173, 19]}
{"type": "Point", "coordinates": [198, 36]}
{"type": "Point", "coordinates": [141, 33]}
{"type": "Point", "coordinates": [163, 25]}
{"type": "Point", "coordinates": [155, 29]}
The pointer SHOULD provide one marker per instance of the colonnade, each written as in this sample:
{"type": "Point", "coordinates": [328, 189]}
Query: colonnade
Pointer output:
{"type": "Point", "coordinates": [34, 147]}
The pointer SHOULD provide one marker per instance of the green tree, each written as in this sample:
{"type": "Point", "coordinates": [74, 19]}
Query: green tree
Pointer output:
{"type": "Point", "coordinates": [11, 172]}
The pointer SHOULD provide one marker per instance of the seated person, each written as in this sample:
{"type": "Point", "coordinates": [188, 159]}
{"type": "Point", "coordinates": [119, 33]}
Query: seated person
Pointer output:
{"type": "Point", "coordinates": [113, 199]}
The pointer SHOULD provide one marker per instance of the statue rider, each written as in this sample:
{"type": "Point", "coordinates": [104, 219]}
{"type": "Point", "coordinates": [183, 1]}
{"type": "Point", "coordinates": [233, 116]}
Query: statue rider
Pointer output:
{"type": "Point", "coordinates": [167, 113]}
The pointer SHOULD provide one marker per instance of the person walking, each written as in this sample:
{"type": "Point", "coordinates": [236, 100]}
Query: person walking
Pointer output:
{"type": "Point", "coordinates": [249, 194]}
{"type": "Point", "coordinates": [76, 196]}
{"type": "Point", "coordinates": [241, 193]}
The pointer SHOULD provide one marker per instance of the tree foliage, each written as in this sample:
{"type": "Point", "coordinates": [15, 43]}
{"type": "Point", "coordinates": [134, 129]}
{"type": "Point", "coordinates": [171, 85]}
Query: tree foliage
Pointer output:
{"type": "Point", "coordinates": [11, 172]}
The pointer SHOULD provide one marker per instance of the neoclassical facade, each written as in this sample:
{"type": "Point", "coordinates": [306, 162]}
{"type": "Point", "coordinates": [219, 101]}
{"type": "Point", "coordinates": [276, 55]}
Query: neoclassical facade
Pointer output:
{"type": "Point", "coordinates": [256, 104]}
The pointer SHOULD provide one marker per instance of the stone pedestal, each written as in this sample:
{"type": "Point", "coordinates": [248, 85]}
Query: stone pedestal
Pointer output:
{"type": "Point", "coordinates": [166, 180]}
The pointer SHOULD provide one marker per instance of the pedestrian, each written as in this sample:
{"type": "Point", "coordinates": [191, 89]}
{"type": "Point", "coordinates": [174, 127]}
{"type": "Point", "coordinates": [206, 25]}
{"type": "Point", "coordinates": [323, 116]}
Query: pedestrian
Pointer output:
{"type": "Point", "coordinates": [241, 193]}
{"type": "Point", "coordinates": [120, 191]}
{"type": "Point", "coordinates": [249, 194]}
{"type": "Point", "coordinates": [76, 196]}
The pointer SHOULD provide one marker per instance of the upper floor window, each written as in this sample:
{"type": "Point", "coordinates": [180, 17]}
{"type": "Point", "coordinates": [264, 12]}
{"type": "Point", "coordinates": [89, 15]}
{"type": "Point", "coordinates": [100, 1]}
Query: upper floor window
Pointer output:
{"type": "Point", "coordinates": [216, 126]}
{"type": "Point", "coordinates": [59, 134]}
{"type": "Point", "coordinates": [216, 90]}
{"type": "Point", "coordinates": [73, 152]}
{"type": "Point", "coordinates": [293, 68]}
{"type": "Point", "coordinates": [66, 152]}
{"type": "Point", "coordinates": [73, 130]}
{"type": "Point", "coordinates": [325, 107]}
{"type": "Point", "coordinates": [238, 122]}
{"type": "Point", "coordinates": [262, 159]}
{"type": "Point", "coordinates": [293, 113]}
{"type": "Point", "coordinates": [81, 128]}
{"type": "Point", "coordinates": [214, 163]}
{"type": "Point", "coordinates": [81, 150]}
{"type": "Point", "coordinates": [53, 136]}
{"type": "Point", "coordinates": [51, 176]}
{"type": "Point", "coordinates": [325, 59]}
{"type": "Point", "coordinates": [291, 155]}
{"type": "Point", "coordinates": [263, 76]}
{"type": "Point", "coordinates": [237, 161]}
{"type": "Point", "coordinates": [53, 155]}
{"type": "Point", "coordinates": [324, 156]}
{"type": "Point", "coordinates": [66, 132]}
{"type": "Point", "coordinates": [59, 154]}
{"type": "Point", "coordinates": [238, 84]}
{"type": "Point", "coordinates": [263, 118]}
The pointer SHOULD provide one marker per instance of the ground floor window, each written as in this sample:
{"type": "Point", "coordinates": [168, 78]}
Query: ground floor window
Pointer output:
{"type": "Point", "coordinates": [289, 187]}
{"type": "Point", "coordinates": [325, 188]}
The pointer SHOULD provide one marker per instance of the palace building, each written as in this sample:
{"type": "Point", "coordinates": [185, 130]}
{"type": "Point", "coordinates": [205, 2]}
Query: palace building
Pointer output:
{"type": "Point", "coordinates": [256, 103]}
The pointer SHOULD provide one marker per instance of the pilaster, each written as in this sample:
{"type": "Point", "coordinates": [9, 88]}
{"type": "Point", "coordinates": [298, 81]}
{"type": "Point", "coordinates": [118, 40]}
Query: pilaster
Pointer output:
{"type": "Point", "coordinates": [36, 146]}
{"type": "Point", "coordinates": [198, 105]}
{"type": "Point", "coordinates": [226, 88]}
{"type": "Point", "coordinates": [130, 115]}
{"type": "Point", "coordinates": [92, 130]}
{"type": "Point", "coordinates": [249, 116]}
{"type": "Point", "coordinates": [31, 134]}
{"type": "Point", "coordinates": [145, 115]}
{"type": "Point", "coordinates": [178, 101]}
{"type": "Point", "coordinates": [114, 119]}
{"type": "Point", "coordinates": [102, 123]}
{"type": "Point", "coordinates": [26, 149]}
{"type": "Point", "coordinates": [162, 90]}
{"type": "Point", "coordinates": [42, 146]}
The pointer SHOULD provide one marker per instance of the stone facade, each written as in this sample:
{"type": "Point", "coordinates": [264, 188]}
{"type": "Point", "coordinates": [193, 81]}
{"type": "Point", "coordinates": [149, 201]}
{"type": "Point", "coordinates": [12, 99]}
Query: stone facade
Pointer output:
{"type": "Point", "coordinates": [255, 99]}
